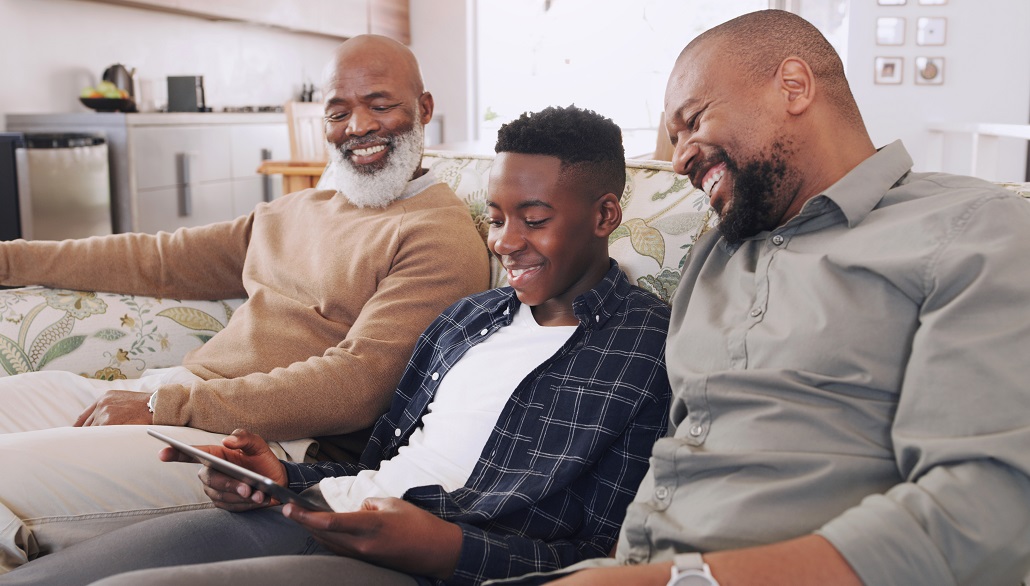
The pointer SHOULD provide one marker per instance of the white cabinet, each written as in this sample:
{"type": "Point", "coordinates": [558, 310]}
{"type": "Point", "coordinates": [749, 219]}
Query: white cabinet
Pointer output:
{"type": "Point", "coordinates": [334, 18]}
{"type": "Point", "coordinates": [170, 170]}
{"type": "Point", "coordinates": [195, 174]}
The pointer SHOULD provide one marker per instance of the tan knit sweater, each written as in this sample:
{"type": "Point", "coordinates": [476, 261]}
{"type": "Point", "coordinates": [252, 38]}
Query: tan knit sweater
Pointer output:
{"type": "Point", "coordinates": [337, 296]}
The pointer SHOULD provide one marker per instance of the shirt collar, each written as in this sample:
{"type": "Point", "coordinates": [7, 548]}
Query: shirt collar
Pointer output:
{"type": "Point", "coordinates": [594, 307]}
{"type": "Point", "coordinates": [860, 191]}
{"type": "Point", "coordinates": [418, 185]}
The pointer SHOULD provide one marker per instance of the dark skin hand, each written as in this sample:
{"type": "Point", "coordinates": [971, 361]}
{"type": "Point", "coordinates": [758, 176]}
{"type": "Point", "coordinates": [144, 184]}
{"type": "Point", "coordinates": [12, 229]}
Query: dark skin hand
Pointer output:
{"type": "Point", "coordinates": [117, 408]}
{"type": "Point", "coordinates": [245, 449]}
{"type": "Point", "coordinates": [389, 532]}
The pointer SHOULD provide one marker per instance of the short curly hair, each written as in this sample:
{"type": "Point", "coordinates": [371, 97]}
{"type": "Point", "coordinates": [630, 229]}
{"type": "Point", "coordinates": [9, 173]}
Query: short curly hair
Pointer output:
{"type": "Point", "coordinates": [587, 144]}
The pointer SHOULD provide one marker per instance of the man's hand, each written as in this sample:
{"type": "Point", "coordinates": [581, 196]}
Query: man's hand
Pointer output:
{"type": "Point", "coordinates": [389, 532]}
{"type": "Point", "coordinates": [117, 408]}
{"type": "Point", "coordinates": [657, 574]}
{"type": "Point", "coordinates": [244, 449]}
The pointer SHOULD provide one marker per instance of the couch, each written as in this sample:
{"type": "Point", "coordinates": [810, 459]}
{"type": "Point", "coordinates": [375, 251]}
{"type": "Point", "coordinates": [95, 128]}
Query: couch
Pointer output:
{"type": "Point", "coordinates": [113, 336]}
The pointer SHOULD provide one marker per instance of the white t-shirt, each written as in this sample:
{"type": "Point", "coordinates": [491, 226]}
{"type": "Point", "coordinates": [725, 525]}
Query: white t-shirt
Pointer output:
{"type": "Point", "coordinates": [461, 416]}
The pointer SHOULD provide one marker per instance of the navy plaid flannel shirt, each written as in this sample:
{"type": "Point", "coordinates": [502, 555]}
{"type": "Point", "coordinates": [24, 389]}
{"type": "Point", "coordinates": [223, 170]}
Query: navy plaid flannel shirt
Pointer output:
{"type": "Point", "coordinates": [570, 447]}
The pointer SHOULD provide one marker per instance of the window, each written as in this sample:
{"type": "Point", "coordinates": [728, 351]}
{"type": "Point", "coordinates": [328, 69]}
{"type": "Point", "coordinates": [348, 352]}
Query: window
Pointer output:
{"type": "Point", "coordinates": [611, 56]}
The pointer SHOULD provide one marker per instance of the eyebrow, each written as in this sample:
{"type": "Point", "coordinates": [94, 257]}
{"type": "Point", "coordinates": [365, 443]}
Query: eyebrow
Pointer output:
{"type": "Point", "coordinates": [372, 96]}
{"type": "Point", "coordinates": [532, 203]}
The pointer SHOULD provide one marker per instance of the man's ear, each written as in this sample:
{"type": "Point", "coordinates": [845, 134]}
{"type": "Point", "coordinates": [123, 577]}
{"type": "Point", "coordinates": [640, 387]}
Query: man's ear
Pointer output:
{"type": "Point", "coordinates": [797, 84]}
{"type": "Point", "coordinates": [610, 216]}
{"type": "Point", "coordinates": [425, 104]}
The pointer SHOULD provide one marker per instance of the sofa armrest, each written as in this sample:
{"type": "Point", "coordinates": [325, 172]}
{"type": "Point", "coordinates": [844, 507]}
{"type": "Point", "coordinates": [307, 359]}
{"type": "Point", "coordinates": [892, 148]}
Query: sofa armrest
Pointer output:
{"type": "Point", "coordinates": [102, 335]}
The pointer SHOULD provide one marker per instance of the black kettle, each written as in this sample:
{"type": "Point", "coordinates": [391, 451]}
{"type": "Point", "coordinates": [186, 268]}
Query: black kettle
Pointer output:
{"type": "Point", "coordinates": [121, 78]}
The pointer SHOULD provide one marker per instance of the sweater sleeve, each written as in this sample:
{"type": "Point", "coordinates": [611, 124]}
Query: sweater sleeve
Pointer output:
{"type": "Point", "coordinates": [352, 383]}
{"type": "Point", "coordinates": [161, 265]}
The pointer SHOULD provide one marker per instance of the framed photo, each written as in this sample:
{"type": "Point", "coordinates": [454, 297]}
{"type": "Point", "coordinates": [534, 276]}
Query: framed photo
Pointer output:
{"type": "Point", "coordinates": [930, 70]}
{"type": "Point", "coordinates": [933, 2]}
{"type": "Point", "coordinates": [891, 2]}
{"type": "Point", "coordinates": [931, 30]}
{"type": "Point", "coordinates": [890, 30]}
{"type": "Point", "coordinates": [888, 70]}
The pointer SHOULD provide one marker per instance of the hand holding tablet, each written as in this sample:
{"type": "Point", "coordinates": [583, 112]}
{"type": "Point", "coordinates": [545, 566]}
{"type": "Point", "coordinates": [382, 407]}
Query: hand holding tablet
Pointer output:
{"type": "Point", "coordinates": [253, 479]}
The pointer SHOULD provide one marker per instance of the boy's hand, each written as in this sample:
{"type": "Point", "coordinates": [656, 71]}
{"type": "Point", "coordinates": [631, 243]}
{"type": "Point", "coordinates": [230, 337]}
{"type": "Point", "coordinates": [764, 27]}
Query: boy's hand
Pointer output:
{"type": "Point", "coordinates": [389, 532]}
{"type": "Point", "coordinates": [244, 449]}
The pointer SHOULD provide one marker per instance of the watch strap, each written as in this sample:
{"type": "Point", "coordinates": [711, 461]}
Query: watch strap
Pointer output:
{"type": "Point", "coordinates": [690, 569]}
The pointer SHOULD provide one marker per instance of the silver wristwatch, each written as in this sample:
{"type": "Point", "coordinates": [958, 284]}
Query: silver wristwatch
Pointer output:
{"type": "Point", "coordinates": [688, 569]}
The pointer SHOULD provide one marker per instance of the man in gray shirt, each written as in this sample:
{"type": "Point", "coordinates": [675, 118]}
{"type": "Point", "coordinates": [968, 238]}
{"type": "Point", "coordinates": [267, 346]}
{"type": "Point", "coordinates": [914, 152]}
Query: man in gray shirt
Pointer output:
{"type": "Point", "coordinates": [848, 352]}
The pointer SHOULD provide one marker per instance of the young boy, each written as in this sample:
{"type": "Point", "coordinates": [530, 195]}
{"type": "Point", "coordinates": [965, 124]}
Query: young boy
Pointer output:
{"type": "Point", "coordinates": [518, 433]}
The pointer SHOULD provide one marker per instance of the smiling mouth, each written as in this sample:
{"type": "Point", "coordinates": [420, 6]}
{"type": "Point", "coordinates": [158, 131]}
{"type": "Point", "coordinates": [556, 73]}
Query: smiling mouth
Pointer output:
{"type": "Point", "coordinates": [369, 151]}
{"type": "Point", "coordinates": [515, 275]}
{"type": "Point", "coordinates": [711, 180]}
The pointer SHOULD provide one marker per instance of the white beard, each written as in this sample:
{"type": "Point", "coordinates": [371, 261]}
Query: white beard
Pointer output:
{"type": "Point", "coordinates": [379, 188]}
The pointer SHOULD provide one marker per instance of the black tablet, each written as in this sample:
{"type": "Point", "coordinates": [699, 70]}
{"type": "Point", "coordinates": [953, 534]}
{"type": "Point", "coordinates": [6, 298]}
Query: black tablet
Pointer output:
{"type": "Point", "coordinates": [251, 478]}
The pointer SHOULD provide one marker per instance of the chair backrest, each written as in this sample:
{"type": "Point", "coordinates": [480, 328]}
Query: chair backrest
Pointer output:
{"type": "Point", "coordinates": [663, 147]}
{"type": "Point", "coordinates": [307, 131]}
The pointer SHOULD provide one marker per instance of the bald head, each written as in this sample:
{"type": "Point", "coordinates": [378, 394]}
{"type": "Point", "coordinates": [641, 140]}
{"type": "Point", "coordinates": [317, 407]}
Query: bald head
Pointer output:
{"type": "Point", "coordinates": [377, 55]}
{"type": "Point", "coordinates": [758, 42]}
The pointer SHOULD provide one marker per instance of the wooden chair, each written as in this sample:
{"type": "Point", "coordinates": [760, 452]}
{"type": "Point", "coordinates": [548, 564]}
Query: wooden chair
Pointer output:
{"type": "Point", "coordinates": [663, 147]}
{"type": "Point", "coordinates": [309, 153]}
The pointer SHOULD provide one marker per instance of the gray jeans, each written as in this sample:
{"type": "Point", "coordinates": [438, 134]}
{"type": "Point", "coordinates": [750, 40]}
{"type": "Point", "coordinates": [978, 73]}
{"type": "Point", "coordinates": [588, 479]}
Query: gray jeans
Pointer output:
{"type": "Point", "coordinates": [208, 546]}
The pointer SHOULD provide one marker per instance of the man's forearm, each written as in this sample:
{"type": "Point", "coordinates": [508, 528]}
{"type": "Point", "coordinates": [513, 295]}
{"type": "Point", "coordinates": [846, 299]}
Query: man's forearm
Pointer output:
{"type": "Point", "coordinates": [809, 560]}
{"type": "Point", "coordinates": [805, 561]}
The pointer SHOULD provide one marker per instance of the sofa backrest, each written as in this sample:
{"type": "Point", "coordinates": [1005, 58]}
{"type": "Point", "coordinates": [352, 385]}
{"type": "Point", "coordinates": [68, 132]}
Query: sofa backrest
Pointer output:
{"type": "Point", "coordinates": [663, 214]}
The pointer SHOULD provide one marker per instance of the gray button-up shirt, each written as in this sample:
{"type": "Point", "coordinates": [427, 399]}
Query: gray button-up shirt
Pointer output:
{"type": "Point", "coordinates": [863, 372]}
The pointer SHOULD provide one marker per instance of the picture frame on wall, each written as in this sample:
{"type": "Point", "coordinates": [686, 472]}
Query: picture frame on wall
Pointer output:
{"type": "Point", "coordinates": [890, 30]}
{"type": "Point", "coordinates": [930, 70]}
{"type": "Point", "coordinates": [931, 30]}
{"type": "Point", "coordinates": [891, 2]}
{"type": "Point", "coordinates": [888, 70]}
{"type": "Point", "coordinates": [933, 2]}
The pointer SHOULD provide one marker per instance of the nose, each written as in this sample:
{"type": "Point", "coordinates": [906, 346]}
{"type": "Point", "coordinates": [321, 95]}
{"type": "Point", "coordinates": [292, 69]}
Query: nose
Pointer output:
{"type": "Point", "coordinates": [505, 240]}
{"type": "Point", "coordinates": [682, 155]}
{"type": "Point", "coordinates": [361, 122]}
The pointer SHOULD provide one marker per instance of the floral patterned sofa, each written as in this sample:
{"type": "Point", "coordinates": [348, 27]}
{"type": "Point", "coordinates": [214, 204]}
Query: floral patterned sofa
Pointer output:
{"type": "Point", "coordinates": [112, 336]}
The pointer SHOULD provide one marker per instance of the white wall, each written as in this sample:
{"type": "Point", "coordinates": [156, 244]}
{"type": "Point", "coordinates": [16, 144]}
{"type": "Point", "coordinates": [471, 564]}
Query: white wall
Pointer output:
{"type": "Point", "coordinates": [986, 79]}
{"type": "Point", "coordinates": [53, 48]}
{"type": "Point", "coordinates": [440, 41]}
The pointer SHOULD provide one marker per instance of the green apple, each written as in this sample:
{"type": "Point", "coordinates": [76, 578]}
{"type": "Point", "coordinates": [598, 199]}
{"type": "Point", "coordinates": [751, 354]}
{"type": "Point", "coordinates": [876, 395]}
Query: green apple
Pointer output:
{"type": "Point", "coordinates": [88, 92]}
{"type": "Point", "coordinates": [105, 87]}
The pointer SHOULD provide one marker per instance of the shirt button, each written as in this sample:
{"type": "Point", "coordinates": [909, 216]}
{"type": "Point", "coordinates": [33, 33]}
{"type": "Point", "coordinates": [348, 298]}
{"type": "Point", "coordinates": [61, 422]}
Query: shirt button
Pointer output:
{"type": "Point", "coordinates": [756, 312]}
{"type": "Point", "coordinates": [505, 312]}
{"type": "Point", "coordinates": [436, 376]}
{"type": "Point", "coordinates": [777, 240]}
{"type": "Point", "coordinates": [397, 432]}
{"type": "Point", "coordinates": [662, 493]}
{"type": "Point", "coordinates": [597, 318]}
{"type": "Point", "coordinates": [484, 332]}
{"type": "Point", "coordinates": [695, 430]}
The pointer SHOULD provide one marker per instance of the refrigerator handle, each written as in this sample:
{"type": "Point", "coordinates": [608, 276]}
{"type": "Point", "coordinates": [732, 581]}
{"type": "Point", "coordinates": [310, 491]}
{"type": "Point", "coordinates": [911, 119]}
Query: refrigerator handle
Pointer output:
{"type": "Point", "coordinates": [185, 184]}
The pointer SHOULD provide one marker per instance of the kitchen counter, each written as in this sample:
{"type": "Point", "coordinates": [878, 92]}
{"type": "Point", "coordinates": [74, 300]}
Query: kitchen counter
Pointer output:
{"type": "Point", "coordinates": [171, 169]}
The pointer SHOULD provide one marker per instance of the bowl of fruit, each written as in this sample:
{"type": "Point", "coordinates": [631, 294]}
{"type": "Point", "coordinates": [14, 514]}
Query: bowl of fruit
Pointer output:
{"type": "Point", "coordinates": [106, 97]}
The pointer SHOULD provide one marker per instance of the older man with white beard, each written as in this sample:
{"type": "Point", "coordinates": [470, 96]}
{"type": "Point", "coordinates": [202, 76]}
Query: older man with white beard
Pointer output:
{"type": "Point", "coordinates": [339, 281]}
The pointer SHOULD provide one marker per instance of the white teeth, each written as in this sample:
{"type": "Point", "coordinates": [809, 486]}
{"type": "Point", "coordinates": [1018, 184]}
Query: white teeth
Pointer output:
{"type": "Point", "coordinates": [517, 272]}
{"type": "Point", "coordinates": [369, 151]}
{"type": "Point", "coordinates": [712, 179]}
